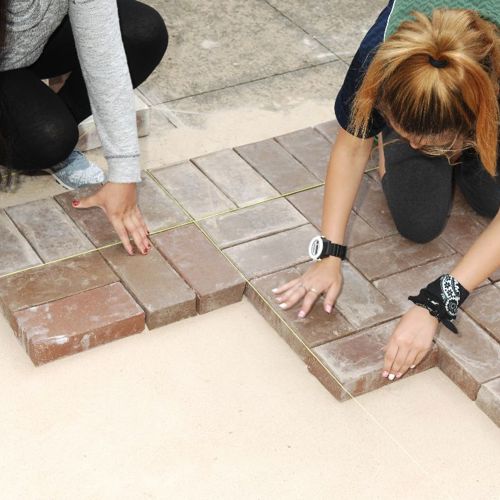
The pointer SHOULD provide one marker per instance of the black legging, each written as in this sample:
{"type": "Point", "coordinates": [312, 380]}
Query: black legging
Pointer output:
{"type": "Point", "coordinates": [419, 188]}
{"type": "Point", "coordinates": [40, 127]}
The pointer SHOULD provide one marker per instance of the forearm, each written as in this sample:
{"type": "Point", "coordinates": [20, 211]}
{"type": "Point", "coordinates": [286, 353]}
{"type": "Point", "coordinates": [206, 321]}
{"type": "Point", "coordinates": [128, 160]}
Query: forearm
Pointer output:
{"type": "Point", "coordinates": [482, 259]}
{"type": "Point", "coordinates": [345, 171]}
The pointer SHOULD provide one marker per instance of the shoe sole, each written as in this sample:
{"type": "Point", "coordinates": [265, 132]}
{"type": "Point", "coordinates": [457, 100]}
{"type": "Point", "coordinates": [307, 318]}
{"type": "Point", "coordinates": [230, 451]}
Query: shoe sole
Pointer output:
{"type": "Point", "coordinates": [66, 186]}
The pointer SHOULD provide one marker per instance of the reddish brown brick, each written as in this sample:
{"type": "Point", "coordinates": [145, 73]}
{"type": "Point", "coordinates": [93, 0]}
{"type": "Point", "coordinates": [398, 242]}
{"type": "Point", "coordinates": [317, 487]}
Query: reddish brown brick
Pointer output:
{"type": "Point", "coordinates": [371, 205]}
{"type": "Point", "coordinates": [399, 286]}
{"type": "Point", "coordinates": [16, 252]}
{"type": "Point", "coordinates": [253, 222]}
{"type": "Point", "coordinates": [53, 282]}
{"type": "Point", "coordinates": [395, 254]}
{"type": "Point", "coordinates": [484, 307]}
{"type": "Point", "coordinates": [78, 323]}
{"type": "Point", "coordinates": [160, 291]}
{"type": "Point", "coordinates": [469, 359]}
{"type": "Point", "coordinates": [357, 361]}
{"type": "Point", "coordinates": [216, 282]}
{"type": "Point", "coordinates": [158, 210]}
{"type": "Point", "coordinates": [488, 399]}
{"type": "Point", "coordinates": [235, 177]}
{"type": "Point", "coordinates": [310, 148]}
{"type": "Point", "coordinates": [272, 253]}
{"type": "Point", "coordinates": [317, 328]}
{"type": "Point", "coordinates": [329, 130]}
{"type": "Point", "coordinates": [310, 203]}
{"type": "Point", "coordinates": [49, 230]}
{"type": "Point", "coordinates": [276, 165]}
{"type": "Point", "coordinates": [193, 190]}
{"type": "Point", "coordinates": [361, 303]}
{"type": "Point", "coordinates": [462, 231]}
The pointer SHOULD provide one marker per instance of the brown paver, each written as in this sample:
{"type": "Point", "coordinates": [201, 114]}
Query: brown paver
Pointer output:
{"type": "Point", "coordinates": [160, 291]}
{"type": "Point", "coordinates": [316, 328]}
{"type": "Point", "coordinates": [310, 148]}
{"type": "Point", "coordinates": [277, 166]}
{"type": "Point", "coordinates": [310, 204]}
{"type": "Point", "coordinates": [78, 323]}
{"type": "Point", "coordinates": [484, 307]}
{"type": "Point", "coordinates": [357, 361]}
{"type": "Point", "coordinates": [236, 178]}
{"type": "Point", "coordinates": [361, 303]}
{"type": "Point", "coordinates": [16, 252]}
{"type": "Point", "coordinates": [488, 399]}
{"type": "Point", "coordinates": [216, 282]}
{"type": "Point", "coordinates": [253, 222]}
{"type": "Point", "coordinates": [371, 205]}
{"type": "Point", "coordinates": [329, 130]}
{"type": "Point", "coordinates": [49, 230]}
{"type": "Point", "coordinates": [469, 359]}
{"type": "Point", "coordinates": [53, 282]}
{"type": "Point", "coordinates": [193, 190]}
{"type": "Point", "coordinates": [159, 211]}
{"type": "Point", "coordinates": [272, 253]}
{"type": "Point", "coordinates": [461, 231]}
{"type": "Point", "coordinates": [395, 254]}
{"type": "Point", "coordinates": [92, 221]}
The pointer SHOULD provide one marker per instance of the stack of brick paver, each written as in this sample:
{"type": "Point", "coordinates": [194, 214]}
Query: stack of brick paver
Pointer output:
{"type": "Point", "coordinates": [241, 219]}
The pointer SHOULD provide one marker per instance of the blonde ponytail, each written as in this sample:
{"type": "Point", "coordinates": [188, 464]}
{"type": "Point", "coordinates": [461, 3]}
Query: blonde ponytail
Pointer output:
{"type": "Point", "coordinates": [435, 75]}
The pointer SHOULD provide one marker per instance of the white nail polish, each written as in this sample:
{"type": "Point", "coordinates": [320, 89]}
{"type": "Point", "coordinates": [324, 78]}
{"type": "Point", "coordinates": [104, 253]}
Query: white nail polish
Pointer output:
{"type": "Point", "coordinates": [274, 290]}
{"type": "Point", "coordinates": [392, 377]}
{"type": "Point", "coordinates": [412, 366]}
{"type": "Point", "coordinates": [302, 314]}
{"type": "Point", "coordinates": [283, 306]}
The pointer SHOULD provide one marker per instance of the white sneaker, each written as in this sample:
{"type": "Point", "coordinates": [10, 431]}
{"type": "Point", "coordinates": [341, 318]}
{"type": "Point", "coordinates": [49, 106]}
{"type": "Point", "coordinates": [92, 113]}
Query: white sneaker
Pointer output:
{"type": "Point", "coordinates": [77, 171]}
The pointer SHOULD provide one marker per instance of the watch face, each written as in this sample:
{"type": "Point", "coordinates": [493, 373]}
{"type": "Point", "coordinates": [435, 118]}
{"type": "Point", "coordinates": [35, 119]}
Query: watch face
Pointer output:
{"type": "Point", "coordinates": [316, 248]}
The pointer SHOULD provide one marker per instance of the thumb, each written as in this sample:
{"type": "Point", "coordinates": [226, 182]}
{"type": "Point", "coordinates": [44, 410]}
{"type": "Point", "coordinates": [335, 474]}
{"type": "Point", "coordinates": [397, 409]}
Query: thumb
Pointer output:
{"type": "Point", "coordinates": [88, 202]}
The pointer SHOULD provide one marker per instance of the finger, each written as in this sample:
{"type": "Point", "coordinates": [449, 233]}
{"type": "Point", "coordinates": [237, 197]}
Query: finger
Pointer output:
{"type": "Point", "coordinates": [134, 231]}
{"type": "Point", "coordinates": [295, 296]}
{"type": "Point", "coordinates": [409, 361]}
{"type": "Point", "coordinates": [141, 221]}
{"type": "Point", "coordinates": [390, 356]}
{"type": "Point", "coordinates": [420, 356]}
{"type": "Point", "coordinates": [398, 361]}
{"type": "Point", "coordinates": [309, 300]}
{"type": "Point", "coordinates": [123, 235]}
{"type": "Point", "coordinates": [330, 298]}
{"type": "Point", "coordinates": [289, 293]}
{"type": "Point", "coordinates": [146, 245]}
{"type": "Point", "coordinates": [285, 287]}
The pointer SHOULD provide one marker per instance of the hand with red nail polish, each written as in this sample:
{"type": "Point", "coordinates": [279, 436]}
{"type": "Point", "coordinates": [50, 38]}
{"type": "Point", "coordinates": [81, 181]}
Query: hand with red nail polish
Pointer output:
{"type": "Point", "coordinates": [119, 203]}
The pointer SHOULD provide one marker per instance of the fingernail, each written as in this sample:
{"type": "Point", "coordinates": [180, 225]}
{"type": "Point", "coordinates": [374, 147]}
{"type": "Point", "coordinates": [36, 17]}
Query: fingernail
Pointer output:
{"type": "Point", "coordinates": [302, 314]}
{"type": "Point", "coordinates": [328, 309]}
{"type": "Point", "coordinates": [392, 377]}
{"type": "Point", "coordinates": [412, 366]}
{"type": "Point", "coordinates": [278, 299]}
{"type": "Point", "coordinates": [399, 375]}
{"type": "Point", "coordinates": [385, 374]}
{"type": "Point", "coordinates": [283, 306]}
{"type": "Point", "coordinates": [76, 203]}
{"type": "Point", "coordinates": [274, 290]}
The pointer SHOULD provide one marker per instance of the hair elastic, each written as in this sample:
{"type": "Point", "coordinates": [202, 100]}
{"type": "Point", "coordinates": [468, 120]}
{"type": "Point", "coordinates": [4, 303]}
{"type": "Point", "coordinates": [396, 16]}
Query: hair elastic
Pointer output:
{"type": "Point", "coordinates": [438, 63]}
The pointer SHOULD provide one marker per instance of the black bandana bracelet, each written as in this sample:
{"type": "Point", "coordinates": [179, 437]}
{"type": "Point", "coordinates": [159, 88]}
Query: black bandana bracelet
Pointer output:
{"type": "Point", "coordinates": [442, 298]}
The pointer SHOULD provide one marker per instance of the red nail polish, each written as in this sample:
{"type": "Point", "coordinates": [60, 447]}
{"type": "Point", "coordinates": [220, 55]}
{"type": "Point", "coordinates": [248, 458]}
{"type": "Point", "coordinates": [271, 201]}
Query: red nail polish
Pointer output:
{"type": "Point", "coordinates": [76, 203]}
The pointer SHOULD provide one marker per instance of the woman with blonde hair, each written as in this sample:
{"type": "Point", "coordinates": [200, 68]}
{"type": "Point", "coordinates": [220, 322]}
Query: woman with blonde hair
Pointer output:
{"type": "Point", "coordinates": [428, 84]}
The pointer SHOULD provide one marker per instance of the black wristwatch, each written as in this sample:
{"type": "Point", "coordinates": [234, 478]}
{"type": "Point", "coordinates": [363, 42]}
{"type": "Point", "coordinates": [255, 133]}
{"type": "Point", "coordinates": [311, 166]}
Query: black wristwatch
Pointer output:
{"type": "Point", "coordinates": [320, 247]}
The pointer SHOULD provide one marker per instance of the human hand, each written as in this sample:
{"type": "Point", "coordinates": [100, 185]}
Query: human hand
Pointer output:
{"type": "Point", "coordinates": [119, 203]}
{"type": "Point", "coordinates": [322, 277]}
{"type": "Point", "coordinates": [410, 342]}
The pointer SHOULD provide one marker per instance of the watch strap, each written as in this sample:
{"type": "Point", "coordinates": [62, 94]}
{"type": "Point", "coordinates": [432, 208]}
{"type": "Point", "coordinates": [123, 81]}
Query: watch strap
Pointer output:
{"type": "Point", "coordinates": [334, 249]}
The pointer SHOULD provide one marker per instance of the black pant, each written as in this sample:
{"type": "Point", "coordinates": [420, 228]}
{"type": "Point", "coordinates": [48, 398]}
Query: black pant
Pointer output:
{"type": "Point", "coordinates": [419, 188]}
{"type": "Point", "coordinates": [39, 127]}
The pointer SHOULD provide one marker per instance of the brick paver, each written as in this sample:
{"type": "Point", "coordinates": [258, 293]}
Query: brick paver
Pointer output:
{"type": "Point", "coordinates": [193, 190]}
{"type": "Point", "coordinates": [484, 307]}
{"type": "Point", "coordinates": [49, 230]}
{"type": "Point", "coordinates": [78, 323]}
{"type": "Point", "coordinates": [278, 166]}
{"type": "Point", "coordinates": [310, 148]}
{"type": "Point", "coordinates": [16, 253]}
{"type": "Point", "coordinates": [488, 399]}
{"type": "Point", "coordinates": [216, 282]}
{"type": "Point", "coordinates": [236, 178]}
{"type": "Point", "coordinates": [160, 291]}
{"type": "Point", "coordinates": [254, 222]}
